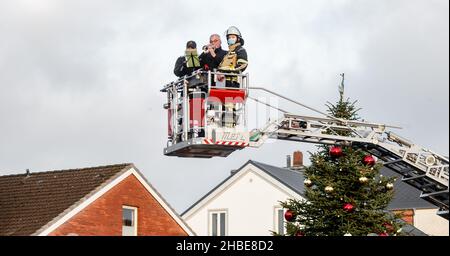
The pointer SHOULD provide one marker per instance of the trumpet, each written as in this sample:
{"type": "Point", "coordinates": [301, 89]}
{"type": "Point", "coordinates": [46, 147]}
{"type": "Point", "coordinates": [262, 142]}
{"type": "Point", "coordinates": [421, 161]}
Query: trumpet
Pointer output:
{"type": "Point", "coordinates": [206, 47]}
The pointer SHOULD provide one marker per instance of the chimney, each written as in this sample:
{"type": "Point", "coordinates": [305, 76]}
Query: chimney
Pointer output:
{"type": "Point", "coordinates": [232, 172]}
{"type": "Point", "coordinates": [288, 161]}
{"type": "Point", "coordinates": [297, 162]}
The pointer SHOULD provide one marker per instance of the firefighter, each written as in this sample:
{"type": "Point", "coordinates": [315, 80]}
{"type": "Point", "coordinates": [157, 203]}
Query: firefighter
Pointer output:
{"type": "Point", "coordinates": [188, 63]}
{"type": "Point", "coordinates": [234, 62]}
{"type": "Point", "coordinates": [236, 59]}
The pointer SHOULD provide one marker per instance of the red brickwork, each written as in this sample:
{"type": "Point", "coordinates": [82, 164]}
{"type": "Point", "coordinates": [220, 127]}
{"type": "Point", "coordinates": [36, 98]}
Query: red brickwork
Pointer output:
{"type": "Point", "coordinates": [298, 159]}
{"type": "Point", "coordinates": [407, 215]}
{"type": "Point", "coordinates": [104, 216]}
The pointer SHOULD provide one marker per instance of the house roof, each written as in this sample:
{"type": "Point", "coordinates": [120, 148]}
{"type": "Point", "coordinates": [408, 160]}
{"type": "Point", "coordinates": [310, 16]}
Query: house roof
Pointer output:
{"type": "Point", "coordinates": [28, 202]}
{"type": "Point", "coordinates": [406, 196]}
{"type": "Point", "coordinates": [36, 203]}
{"type": "Point", "coordinates": [292, 179]}
{"type": "Point", "coordinates": [410, 230]}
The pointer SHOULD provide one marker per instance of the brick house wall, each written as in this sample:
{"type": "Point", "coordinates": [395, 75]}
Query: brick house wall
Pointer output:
{"type": "Point", "coordinates": [407, 215]}
{"type": "Point", "coordinates": [104, 215]}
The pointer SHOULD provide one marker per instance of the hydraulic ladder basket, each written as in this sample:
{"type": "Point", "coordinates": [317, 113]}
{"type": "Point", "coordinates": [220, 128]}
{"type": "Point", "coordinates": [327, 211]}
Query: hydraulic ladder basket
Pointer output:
{"type": "Point", "coordinates": [205, 117]}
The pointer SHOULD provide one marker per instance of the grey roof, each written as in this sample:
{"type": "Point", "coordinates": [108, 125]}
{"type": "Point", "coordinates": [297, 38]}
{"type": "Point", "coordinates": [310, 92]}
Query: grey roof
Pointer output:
{"type": "Point", "coordinates": [290, 178]}
{"type": "Point", "coordinates": [405, 197]}
{"type": "Point", "coordinates": [410, 230]}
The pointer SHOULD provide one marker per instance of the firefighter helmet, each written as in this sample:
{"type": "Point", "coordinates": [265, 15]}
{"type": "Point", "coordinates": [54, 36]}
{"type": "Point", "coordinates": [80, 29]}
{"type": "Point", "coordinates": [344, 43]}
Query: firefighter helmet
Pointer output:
{"type": "Point", "coordinates": [233, 31]}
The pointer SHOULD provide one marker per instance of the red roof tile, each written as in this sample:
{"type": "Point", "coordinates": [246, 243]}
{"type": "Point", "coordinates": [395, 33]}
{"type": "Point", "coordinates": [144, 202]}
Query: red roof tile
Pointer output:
{"type": "Point", "coordinates": [28, 202]}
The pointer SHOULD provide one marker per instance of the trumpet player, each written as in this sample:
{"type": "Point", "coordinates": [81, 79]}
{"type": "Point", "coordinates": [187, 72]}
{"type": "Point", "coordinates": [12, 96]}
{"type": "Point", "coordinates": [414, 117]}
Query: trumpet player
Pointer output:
{"type": "Point", "coordinates": [212, 54]}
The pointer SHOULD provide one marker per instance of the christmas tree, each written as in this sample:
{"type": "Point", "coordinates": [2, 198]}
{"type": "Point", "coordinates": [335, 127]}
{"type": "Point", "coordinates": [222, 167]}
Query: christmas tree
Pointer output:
{"type": "Point", "coordinates": [344, 192]}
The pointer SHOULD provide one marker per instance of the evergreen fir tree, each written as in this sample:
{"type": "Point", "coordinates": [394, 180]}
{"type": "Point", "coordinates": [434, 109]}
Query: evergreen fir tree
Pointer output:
{"type": "Point", "coordinates": [345, 193]}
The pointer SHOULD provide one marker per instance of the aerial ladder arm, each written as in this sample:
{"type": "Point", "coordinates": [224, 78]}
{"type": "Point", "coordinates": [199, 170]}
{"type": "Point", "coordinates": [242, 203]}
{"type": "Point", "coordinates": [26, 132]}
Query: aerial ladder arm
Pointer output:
{"type": "Point", "coordinates": [419, 167]}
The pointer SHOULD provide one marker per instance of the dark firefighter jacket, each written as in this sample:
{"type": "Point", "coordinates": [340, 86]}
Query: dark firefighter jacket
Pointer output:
{"type": "Point", "coordinates": [235, 60]}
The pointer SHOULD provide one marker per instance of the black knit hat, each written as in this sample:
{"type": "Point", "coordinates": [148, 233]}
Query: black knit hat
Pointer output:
{"type": "Point", "coordinates": [191, 44]}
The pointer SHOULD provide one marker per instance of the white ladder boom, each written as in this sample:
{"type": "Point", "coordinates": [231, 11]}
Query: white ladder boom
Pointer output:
{"type": "Point", "coordinates": [420, 167]}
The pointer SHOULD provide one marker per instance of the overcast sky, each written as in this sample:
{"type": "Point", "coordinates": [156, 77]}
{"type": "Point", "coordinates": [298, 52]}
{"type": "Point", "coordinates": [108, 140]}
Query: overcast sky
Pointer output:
{"type": "Point", "coordinates": [80, 80]}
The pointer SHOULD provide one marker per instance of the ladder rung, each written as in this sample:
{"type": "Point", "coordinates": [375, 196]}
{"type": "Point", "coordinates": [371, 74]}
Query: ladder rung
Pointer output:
{"type": "Point", "coordinates": [393, 161]}
{"type": "Point", "coordinates": [433, 193]}
{"type": "Point", "coordinates": [403, 171]}
{"type": "Point", "coordinates": [413, 178]}
{"type": "Point", "coordinates": [427, 185]}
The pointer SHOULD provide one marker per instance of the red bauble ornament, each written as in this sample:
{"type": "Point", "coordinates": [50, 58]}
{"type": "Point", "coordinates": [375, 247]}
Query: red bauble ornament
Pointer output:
{"type": "Point", "coordinates": [348, 207]}
{"type": "Point", "coordinates": [383, 234]}
{"type": "Point", "coordinates": [369, 160]}
{"type": "Point", "coordinates": [336, 151]}
{"type": "Point", "coordinates": [289, 215]}
{"type": "Point", "coordinates": [388, 226]}
{"type": "Point", "coordinates": [299, 233]}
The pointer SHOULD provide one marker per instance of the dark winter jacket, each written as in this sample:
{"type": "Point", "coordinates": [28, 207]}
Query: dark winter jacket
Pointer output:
{"type": "Point", "coordinates": [181, 68]}
{"type": "Point", "coordinates": [211, 62]}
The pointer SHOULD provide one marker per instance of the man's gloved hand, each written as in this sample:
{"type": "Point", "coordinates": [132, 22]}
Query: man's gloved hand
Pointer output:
{"type": "Point", "coordinates": [220, 78]}
{"type": "Point", "coordinates": [211, 51]}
